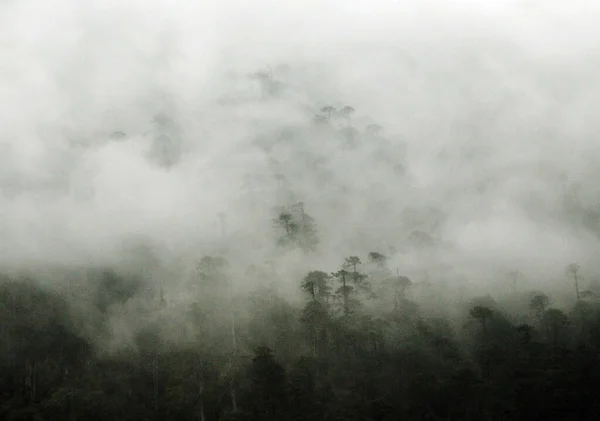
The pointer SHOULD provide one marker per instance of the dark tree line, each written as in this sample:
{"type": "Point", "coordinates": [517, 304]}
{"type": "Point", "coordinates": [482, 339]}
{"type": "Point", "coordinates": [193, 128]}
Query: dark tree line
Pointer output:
{"type": "Point", "coordinates": [346, 353]}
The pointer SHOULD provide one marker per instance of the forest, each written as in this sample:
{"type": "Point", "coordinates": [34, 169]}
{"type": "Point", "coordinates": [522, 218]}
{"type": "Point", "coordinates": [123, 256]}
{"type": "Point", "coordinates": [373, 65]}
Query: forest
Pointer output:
{"type": "Point", "coordinates": [359, 347]}
{"type": "Point", "coordinates": [377, 335]}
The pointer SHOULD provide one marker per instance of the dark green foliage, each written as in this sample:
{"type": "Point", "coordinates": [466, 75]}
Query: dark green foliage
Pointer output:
{"type": "Point", "coordinates": [113, 288]}
{"type": "Point", "coordinates": [310, 363]}
{"type": "Point", "coordinates": [377, 258]}
{"type": "Point", "coordinates": [316, 284]}
{"type": "Point", "coordinates": [267, 392]}
{"type": "Point", "coordinates": [538, 304]}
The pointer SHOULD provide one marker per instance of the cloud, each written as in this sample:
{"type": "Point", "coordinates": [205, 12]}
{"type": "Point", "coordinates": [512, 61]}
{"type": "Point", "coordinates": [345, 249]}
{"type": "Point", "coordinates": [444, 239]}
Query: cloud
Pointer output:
{"type": "Point", "coordinates": [479, 93]}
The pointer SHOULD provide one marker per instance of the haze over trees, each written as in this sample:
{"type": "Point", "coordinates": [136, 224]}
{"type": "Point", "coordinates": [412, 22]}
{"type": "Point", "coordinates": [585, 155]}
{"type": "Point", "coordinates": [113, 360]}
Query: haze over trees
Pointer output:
{"type": "Point", "coordinates": [208, 214]}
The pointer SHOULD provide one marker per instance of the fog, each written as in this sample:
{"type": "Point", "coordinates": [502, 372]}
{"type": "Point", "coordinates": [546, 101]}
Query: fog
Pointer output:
{"type": "Point", "coordinates": [299, 210]}
{"type": "Point", "coordinates": [492, 109]}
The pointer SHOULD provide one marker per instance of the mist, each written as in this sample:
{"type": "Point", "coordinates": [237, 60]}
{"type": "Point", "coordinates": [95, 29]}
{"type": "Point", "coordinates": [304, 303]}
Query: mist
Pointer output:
{"type": "Point", "coordinates": [155, 156]}
{"type": "Point", "coordinates": [492, 104]}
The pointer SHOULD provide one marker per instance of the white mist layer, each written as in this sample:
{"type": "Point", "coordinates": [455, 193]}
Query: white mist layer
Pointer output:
{"type": "Point", "coordinates": [513, 82]}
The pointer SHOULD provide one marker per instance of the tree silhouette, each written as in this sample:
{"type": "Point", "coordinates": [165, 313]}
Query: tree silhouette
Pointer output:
{"type": "Point", "coordinates": [374, 129]}
{"type": "Point", "coordinates": [358, 278]}
{"type": "Point", "coordinates": [212, 268]}
{"type": "Point", "coordinates": [554, 322]}
{"type": "Point", "coordinates": [352, 262]}
{"type": "Point", "coordinates": [315, 313]}
{"type": "Point", "coordinates": [307, 239]}
{"type": "Point", "coordinates": [316, 284]}
{"type": "Point", "coordinates": [401, 284]}
{"type": "Point", "coordinates": [281, 180]}
{"type": "Point", "coordinates": [377, 258]}
{"type": "Point", "coordinates": [483, 315]}
{"type": "Point", "coordinates": [328, 109]}
{"type": "Point", "coordinates": [267, 396]}
{"type": "Point", "coordinates": [538, 304]}
{"type": "Point", "coordinates": [345, 289]}
{"type": "Point", "coordinates": [286, 222]}
{"type": "Point", "coordinates": [296, 228]}
{"type": "Point", "coordinates": [347, 112]}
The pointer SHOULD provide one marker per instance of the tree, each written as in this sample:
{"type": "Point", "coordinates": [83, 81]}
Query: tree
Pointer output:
{"type": "Point", "coordinates": [538, 304]}
{"type": "Point", "coordinates": [345, 290]}
{"type": "Point", "coordinates": [525, 333]}
{"type": "Point", "coordinates": [401, 284]}
{"type": "Point", "coordinates": [296, 228]}
{"type": "Point", "coordinates": [554, 322]}
{"type": "Point", "coordinates": [216, 283]}
{"type": "Point", "coordinates": [378, 258]}
{"type": "Point", "coordinates": [328, 109]}
{"type": "Point", "coordinates": [268, 397]}
{"type": "Point", "coordinates": [150, 345]}
{"type": "Point", "coordinates": [351, 280]}
{"type": "Point", "coordinates": [307, 239]}
{"type": "Point", "coordinates": [114, 288]}
{"type": "Point", "coordinates": [316, 284]}
{"type": "Point", "coordinates": [281, 180]}
{"type": "Point", "coordinates": [352, 262]}
{"type": "Point", "coordinates": [483, 315]}
{"type": "Point", "coordinates": [358, 278]}
{"type": "Point", "coordinates": [315, 313]}
{"type": "Point", "coordinates": [166, 147]}
{"type": "Point", "coordinates": [373, 129]}
{"type": "Point", "coordinates": [304, 395]}
{"type": "Point", "coordinates": [285, 222]}
{"type": "Point", "coordinates": [285, 219]}
{"type": "Point", "coordinates": [347, 112]}
{"type": "Point", "coordinates": [211, 270]}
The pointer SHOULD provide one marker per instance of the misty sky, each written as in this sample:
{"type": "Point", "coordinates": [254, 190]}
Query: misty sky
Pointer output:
{"type": "Point", "coordinates": [513, 82]}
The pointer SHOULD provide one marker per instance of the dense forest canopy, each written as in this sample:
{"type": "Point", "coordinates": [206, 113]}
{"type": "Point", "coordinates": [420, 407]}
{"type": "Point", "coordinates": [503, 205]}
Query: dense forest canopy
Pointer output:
{"type": "Point", "coordinates": [207, 214]}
